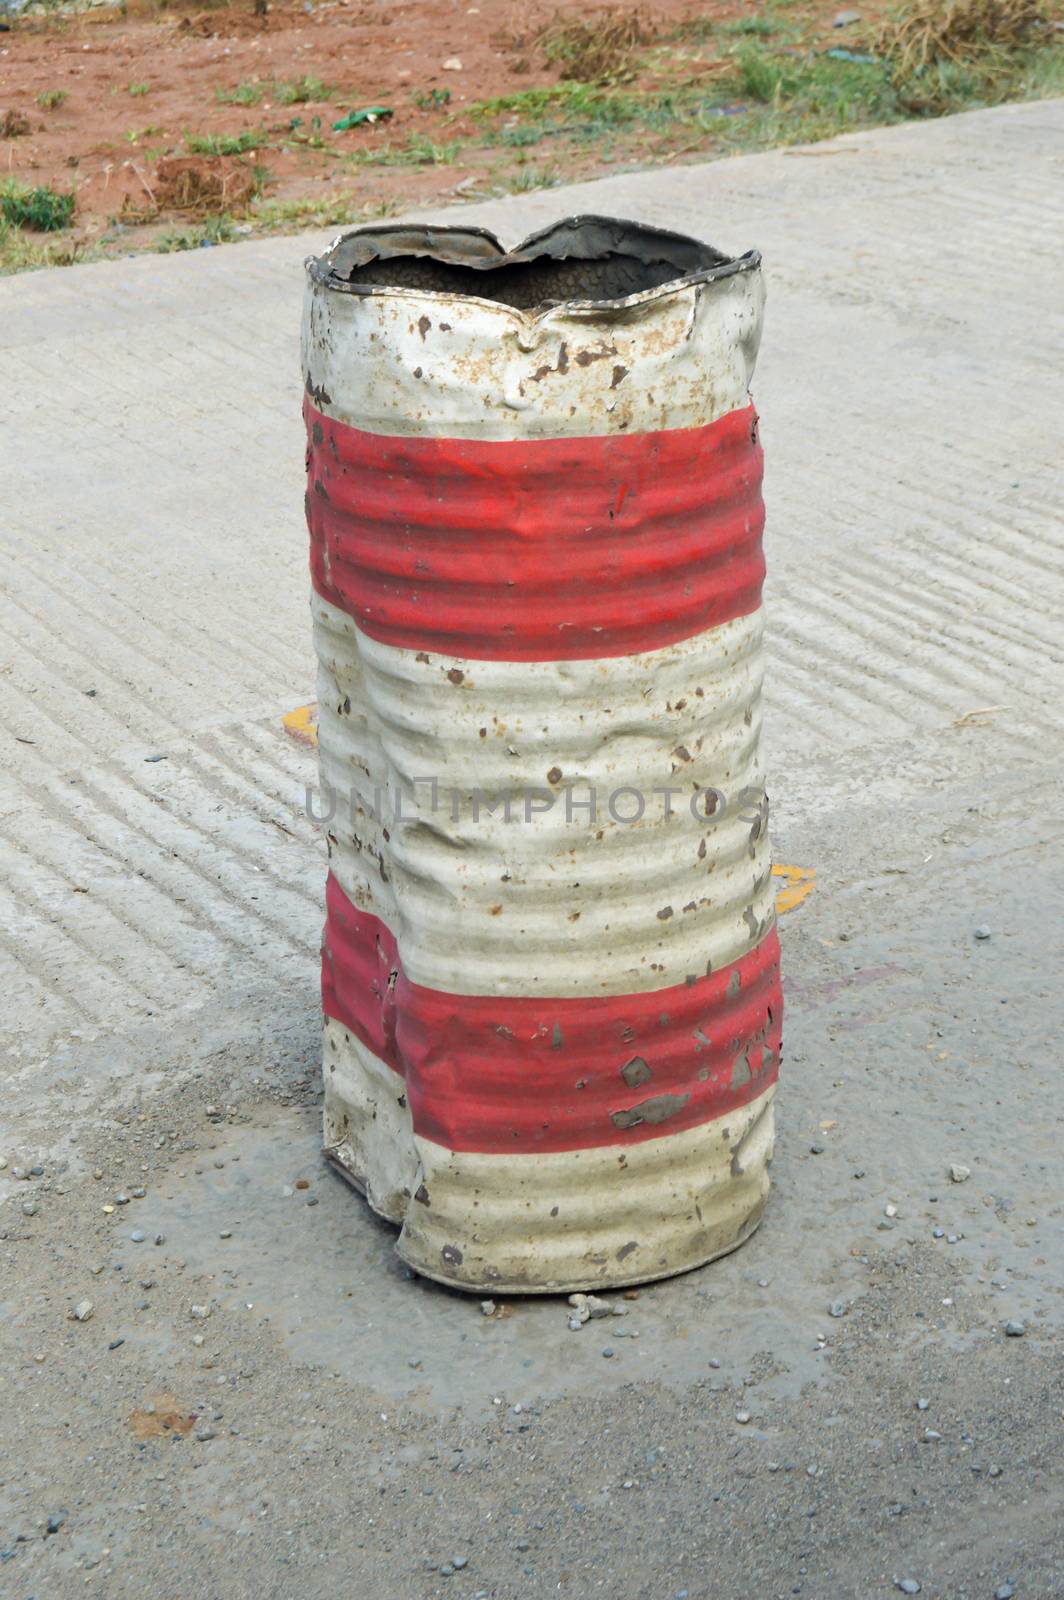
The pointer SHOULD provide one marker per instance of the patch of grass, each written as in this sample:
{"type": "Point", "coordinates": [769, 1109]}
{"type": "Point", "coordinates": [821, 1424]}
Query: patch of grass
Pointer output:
{"type": "Point", "coordinates": [432, 99]}
{"type": "Point", "coordinates": [328, 211]}
{"type": "Point", "coordinates": [245, 94]}
{"type": "Point", "coordinates": [138, 90]}
{"type": "Point", "coordinates": [419, 151]}
{"type": "Point", "coordinates": [21, 252]}
{"type": "Point", "coordinates": [928, 33]}
{"type": "Point", "coordinates": [601, 48]}
{"type": "Point", "coordinates": [586, 112]}
{"type": "Point", "coordinates": [527, 178]}
{"type": "Point", "coordinates": [213, 230]}
{"type": "Point", "coordinates": [41, 209]}
{"type": "Point", "coordinates": [51, 99]}
{"type": "Point", "coordinates": [762, 26]}
{"type": "Point", "coordinates": [225, 144]}
{"type": "Point", "coordinates": [302, 91]}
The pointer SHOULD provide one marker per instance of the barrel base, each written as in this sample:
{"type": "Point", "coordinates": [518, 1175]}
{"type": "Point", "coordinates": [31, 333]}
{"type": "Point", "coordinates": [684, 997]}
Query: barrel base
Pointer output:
{"type": "Point", "coordinates": [594, 1219]}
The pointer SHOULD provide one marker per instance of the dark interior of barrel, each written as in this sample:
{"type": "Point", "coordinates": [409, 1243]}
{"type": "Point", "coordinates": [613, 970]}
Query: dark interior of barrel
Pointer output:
{"type": "Point", "coordinates": [580, 259]}
{"type": "Point", "coordinates": [523, 285]}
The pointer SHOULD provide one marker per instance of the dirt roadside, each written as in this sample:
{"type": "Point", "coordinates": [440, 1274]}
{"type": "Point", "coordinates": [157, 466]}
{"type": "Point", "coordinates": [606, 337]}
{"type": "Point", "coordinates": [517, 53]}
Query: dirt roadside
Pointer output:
{"type": "Point", "coordinates": [108, 98]}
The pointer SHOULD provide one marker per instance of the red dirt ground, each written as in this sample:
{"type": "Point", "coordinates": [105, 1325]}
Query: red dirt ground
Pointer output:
{"type": "Point", "coordinates": [107, 142]}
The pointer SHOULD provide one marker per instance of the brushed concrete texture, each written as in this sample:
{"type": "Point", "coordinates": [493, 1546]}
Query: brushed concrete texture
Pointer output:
{"type": "Point", "coordinates": [161, 916]}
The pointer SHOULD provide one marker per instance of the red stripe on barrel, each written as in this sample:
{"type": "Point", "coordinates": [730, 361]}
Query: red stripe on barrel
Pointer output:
{"type": "Point", "coordinates": [530, 1074]}
{"type": "Point", "coordinates": [538, 550]}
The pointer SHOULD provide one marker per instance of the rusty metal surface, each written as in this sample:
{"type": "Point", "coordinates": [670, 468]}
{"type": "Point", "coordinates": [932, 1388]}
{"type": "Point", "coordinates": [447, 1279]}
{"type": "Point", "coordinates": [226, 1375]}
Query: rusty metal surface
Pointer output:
{"type": "Point", "coordinates": [415, 360]}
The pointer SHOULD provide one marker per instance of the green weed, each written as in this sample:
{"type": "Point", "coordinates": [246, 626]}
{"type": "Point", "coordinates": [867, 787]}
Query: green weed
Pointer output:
{"type": "Point", "coordinates": [225, 144]}
{"type": "Point", "coordinates": [41, 209]}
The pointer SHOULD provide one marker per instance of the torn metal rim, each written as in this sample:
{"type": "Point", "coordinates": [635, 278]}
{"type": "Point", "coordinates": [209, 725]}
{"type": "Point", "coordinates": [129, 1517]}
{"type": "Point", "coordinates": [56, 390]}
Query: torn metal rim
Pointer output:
{"type": "Point", "coordinates": [582, 238]}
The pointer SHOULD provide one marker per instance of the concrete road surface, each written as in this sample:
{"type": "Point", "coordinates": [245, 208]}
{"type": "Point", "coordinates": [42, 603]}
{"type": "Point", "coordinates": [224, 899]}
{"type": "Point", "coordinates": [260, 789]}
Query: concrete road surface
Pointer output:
{"type": "Point", "coordinates": [835, 1409]}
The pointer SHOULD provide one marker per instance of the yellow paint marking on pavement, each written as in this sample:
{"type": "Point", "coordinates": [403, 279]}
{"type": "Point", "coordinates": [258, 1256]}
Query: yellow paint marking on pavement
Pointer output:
{"type": "Point", "coordinates": [302, 723]}
{"type": "Point", "coordinates": [796, 887]}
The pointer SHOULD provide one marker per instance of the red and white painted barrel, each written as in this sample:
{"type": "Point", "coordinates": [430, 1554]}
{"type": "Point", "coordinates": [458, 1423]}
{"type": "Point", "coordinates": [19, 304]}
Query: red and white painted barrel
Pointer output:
{"type": "Point", "coordinates": [550, 967]}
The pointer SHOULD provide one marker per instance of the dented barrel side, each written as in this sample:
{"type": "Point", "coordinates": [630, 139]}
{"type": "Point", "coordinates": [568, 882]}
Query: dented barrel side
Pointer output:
{"type": "Point", "coordinates": [550, 968]}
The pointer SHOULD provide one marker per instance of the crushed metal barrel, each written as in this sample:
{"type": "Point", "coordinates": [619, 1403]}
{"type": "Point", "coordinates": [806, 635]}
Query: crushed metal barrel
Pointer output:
{"type": "Point", "coordinates": [550, 966]}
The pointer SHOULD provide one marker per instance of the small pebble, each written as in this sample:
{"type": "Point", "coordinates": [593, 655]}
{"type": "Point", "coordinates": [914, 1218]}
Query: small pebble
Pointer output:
{"type": "Point", "coordinates": [226, 1233]}
{"type": "Point", "coordinates": [30, 1208]}
{"type": "Point", "coordinates": [115, 1343]}
{"type": "Point", "coordinates": [817, 1149]}
{"type": "Point", "coordinates": [1015, 1330]}
{"type": "Point", "coordinates": [205, 1434]}
{"type": "Point", "coordinates": [487, 1308]}
{"type": "Point", "coordinates": [837, 1308]}
{"type": "Point", "coordinates": [959, 1173]}
{"type": "Point", "coordinates": [458, 1562]}
{"type": "Point", "coordinates": [844, 19]}
{"type": "Point", "coordinates": [136, 1236]}
{"type": "Point", "coordinates": [1004, 1591]}
{"type": "Point", "coordinates": [922, 1405]}
{"type": "Point", "coordinates": [742, 1416]}
{"type": "Point", "coordinates": [608, 1352]}
{"type": "Point", "coordinates": [83, 1310]}
{"type": "Point", "coordinates": [312, 1199]}
{"type": "Point", "coordinates": [907, 1585]}
{"type": "Point", "coordinates": [983, 931]}
{"type": "Point", "coordinates": [938, 1233]}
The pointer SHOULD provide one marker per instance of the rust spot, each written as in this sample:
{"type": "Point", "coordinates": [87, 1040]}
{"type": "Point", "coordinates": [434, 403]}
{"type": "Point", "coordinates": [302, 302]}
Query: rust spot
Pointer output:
{"type": "Point", "coordinates": [701, 850]}
{"type": "Point", "coordinates": [681, 753]}
{"type": "Point", "coordinates": [423, 326]}
{"type": "Point", "coordinates": [452, 1255]}
{"type": "Point", "coordinates": [619, 375]}
{"type": "Point", "coordinates": [554, 1211]}
{"type": "Point", "coordinates": [659, 1108]}
{"type": "Point", "coordinates": [636, 1072]}
{"type": "Point", "coordinates": [320, 489]}
{"type": "Point", "coordinates": [317, 433]}
{"type": "Point", "coordinates": [556, 1038]}
{"type": "Point", "coordinates": [417, 372]}
{"type": "Point", "coordinates": [735, 983]}
{"type": "Point", "coordinates": [554, 775]}
{"type": "Point", "coordinates": [626, 1249]}
{"type": "Point", "coordinates": [421, 1195]}
{"type": "Point", "coordinates": [445, 327]}
{"type": "Point", "coordinates": [456, 675]}
{"type": "Point", "coordinates": [665, 913]}
{"type": "Point", "coordinates": [167, 1418]}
